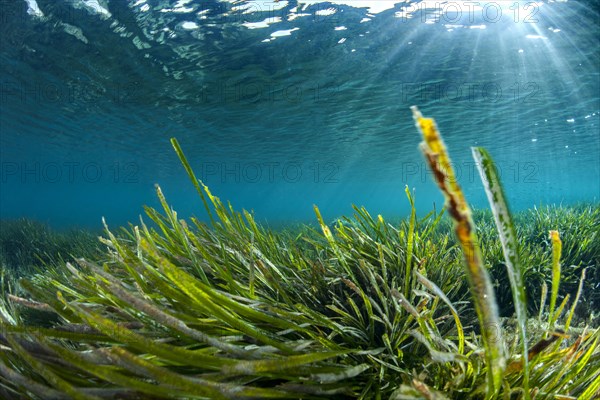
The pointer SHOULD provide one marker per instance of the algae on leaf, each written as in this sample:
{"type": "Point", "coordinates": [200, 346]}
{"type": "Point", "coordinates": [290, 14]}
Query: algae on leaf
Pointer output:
{"type": "Point", "coordinates": [435, 152]}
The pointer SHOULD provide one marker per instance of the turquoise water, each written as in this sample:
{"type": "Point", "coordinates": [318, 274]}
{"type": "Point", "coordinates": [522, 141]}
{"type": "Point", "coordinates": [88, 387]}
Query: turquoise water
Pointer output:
{"type": "Point", "coordinates": [282, 105]}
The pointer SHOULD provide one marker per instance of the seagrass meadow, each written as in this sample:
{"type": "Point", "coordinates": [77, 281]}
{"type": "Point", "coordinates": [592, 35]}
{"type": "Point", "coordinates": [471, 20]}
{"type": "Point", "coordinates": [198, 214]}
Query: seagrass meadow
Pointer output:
{"type": "Point", "coordinates": [454, 305]}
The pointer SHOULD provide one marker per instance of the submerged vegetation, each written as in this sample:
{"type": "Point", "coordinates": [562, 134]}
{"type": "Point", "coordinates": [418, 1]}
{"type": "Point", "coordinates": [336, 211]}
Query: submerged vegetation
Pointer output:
{"type": "Point", "coordinates": [364, 309]}
{"type": "Point", "coordinates": [26, 244]}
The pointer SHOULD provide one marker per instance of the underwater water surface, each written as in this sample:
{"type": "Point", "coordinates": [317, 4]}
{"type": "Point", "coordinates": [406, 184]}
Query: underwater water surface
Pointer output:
{"type": "Point", "coordinates": [280, 105]}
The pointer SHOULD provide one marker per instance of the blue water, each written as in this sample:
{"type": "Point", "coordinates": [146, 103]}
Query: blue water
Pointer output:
{"type": "Point", "coordinates": [282, 105]}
